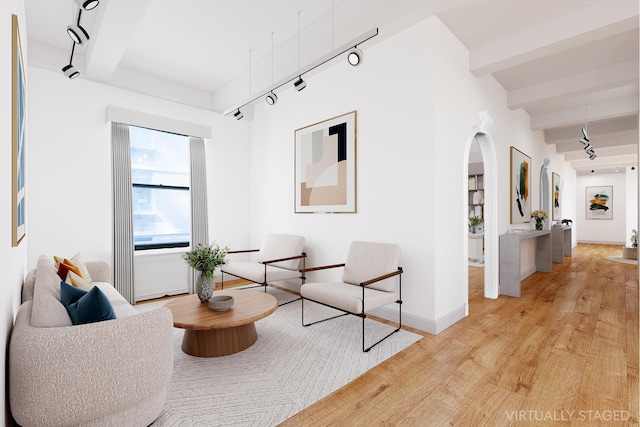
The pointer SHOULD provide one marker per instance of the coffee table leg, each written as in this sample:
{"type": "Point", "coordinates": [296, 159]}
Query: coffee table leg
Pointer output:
{"type": "Point", "coordinates": [219, 342]}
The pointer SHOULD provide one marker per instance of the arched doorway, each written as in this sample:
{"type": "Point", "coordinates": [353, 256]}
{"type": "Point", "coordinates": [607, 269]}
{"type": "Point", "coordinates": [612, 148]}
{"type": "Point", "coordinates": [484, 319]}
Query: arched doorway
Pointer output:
{"type": "Point", "coordinates": [481, 134]}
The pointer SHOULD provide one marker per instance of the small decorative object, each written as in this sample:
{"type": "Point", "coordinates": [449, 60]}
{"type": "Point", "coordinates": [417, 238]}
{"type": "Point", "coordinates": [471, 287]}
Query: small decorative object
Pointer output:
{"type": "Point", "coordinates": [539, 215]}
{"type": "Point", "coordinates": [474, 222]}
{"type": "Point", "coordinates": [205, 259]}
{"type": "Point", "coordinates": [634, 238]}
{"type": "Point", "coordinates": [220, 302]}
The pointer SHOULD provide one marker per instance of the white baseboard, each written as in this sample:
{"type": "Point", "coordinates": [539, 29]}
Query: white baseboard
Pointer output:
{"type": "Point", "coordinates": [427, 325]}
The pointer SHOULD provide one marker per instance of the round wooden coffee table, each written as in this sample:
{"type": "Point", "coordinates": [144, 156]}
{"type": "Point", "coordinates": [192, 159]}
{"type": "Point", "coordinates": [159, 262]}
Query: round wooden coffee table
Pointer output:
{"type": "Point", "coordinates": [211, 333]}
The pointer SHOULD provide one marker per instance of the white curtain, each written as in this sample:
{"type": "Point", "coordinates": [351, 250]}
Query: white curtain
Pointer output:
{"type": "Point", "coordinates": [123, 248]}
{"type": "Point", "coordinates": [199, 216]}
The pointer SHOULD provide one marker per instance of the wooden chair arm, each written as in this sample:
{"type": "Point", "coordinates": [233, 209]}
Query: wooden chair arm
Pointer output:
{"type": "Point", "coordinates": [304, 255]}
{"type": "Point", "coordinates": [243, 251]}
{"type": "Point", "coordinates": [386, 276]}
{"type": "Point", "coordinates": [323, 267]}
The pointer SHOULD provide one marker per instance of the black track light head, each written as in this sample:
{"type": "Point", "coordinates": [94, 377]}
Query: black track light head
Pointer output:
{"type": "Point", "coordinates": [70, 71]}
{"type": "Point", "coordinates": [300, 84]}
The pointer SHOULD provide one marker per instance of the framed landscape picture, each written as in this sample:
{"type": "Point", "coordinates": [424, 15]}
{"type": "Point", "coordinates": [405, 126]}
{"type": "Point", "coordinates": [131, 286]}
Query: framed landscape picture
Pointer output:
{"type": "Point", "coordinates": [599, 202]}
{"type": "Point", "coordinates": [18, 126]}
{"type": "Point", "coordinates": [325, 166]}
{"type": "Point", "coordinates": [520, 187]}
{"type": "Point", "coordinates": [556, 198]}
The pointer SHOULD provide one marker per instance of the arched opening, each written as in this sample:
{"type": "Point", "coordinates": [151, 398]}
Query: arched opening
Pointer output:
{"type": "Point", "coordinates": [480, 133]}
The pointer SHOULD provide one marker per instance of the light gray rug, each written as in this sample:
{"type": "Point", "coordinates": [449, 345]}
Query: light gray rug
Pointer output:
{"type": "Point", "coordinates": [622, 260]}
{"type": "Point", "coordinates": [289, 368]}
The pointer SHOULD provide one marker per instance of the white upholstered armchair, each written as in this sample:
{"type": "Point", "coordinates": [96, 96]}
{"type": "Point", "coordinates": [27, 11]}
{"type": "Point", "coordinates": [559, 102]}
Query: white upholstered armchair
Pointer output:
{"type": "Point", "coordinates": [279, 258]}
{"type": "Point", "coordinates": [368, 282]}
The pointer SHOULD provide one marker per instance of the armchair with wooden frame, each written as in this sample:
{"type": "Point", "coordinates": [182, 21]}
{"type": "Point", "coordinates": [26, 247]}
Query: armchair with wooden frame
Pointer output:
{"type": "Point", "coordinates": [278, 258]}
{"type": "Point", "coordinates": [368, 282]}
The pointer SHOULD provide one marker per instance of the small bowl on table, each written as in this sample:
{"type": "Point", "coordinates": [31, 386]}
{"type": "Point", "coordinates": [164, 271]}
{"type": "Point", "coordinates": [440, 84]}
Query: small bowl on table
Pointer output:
{"type": "Point", "coordinates": [220, 302]}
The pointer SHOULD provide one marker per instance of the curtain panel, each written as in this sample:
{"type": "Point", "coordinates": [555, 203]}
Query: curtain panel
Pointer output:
{"type": "Point", "coordinates": [123, 248]}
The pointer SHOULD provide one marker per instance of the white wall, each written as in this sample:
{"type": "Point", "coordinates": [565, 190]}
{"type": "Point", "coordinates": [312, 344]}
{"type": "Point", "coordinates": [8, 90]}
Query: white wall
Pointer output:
{"type": "Point", "coordinates": [14, 259]}
{"type": "Point", "coordinates": [414, 114]}
{"type": "Point", "coordinates": [70, 165]}
{"type": "Point", "coordinates": [603, 231]}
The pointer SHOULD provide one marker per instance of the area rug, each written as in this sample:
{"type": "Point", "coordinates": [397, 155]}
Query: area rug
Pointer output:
{"type": "Point", "coordinates": [289, 368]}
{"type": "Point", "coordinates": [622, 260]}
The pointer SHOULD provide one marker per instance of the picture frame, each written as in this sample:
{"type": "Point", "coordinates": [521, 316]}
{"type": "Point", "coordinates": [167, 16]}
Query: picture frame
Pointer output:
{"type": "Point", "coordinates": [325, 166]}
{"type": "Point", "coordinates": [599, 202]}
{"type": "Point", "coordinates": [556, 198]}
{"type": "Point", "coordinates": [520, 170]}
{"type": "Point", "coordinates": [18, 137]}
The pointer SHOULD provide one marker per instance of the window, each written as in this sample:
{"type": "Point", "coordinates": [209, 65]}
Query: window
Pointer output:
{"type": "Point", "coordinates": [160, 177]}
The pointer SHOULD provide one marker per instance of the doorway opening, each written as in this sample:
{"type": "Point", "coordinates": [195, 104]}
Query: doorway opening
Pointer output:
{"type": "Point", "coordinates": [480, 134]}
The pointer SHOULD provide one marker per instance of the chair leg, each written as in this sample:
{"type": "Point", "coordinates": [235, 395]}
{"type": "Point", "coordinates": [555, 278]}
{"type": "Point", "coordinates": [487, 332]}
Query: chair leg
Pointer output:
{"type": "Point", "coordinates": [366, 350]}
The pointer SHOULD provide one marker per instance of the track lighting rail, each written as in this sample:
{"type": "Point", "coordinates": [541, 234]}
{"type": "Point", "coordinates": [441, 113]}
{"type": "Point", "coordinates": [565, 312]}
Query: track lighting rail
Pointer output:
{"type": "Point", "coordinates": [311, 66]}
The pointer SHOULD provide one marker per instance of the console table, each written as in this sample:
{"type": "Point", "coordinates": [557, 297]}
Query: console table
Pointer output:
{"type": "Point", "coordinates": [560, 243]}
{"type": "Point", "coordinates": [510, 276]}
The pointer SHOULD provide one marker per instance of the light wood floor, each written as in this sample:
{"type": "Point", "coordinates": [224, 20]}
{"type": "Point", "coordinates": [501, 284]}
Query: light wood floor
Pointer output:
{"type": "Point", "coordinates": [565, 353]}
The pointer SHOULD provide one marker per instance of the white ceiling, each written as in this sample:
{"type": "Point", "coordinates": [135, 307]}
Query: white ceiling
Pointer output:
{"type": "Point", "coordinates": [561, 61]}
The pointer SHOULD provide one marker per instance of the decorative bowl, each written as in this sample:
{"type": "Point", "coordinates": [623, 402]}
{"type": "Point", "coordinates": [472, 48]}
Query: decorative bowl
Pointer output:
{"type": "Point", "coordinates": [220, 302]}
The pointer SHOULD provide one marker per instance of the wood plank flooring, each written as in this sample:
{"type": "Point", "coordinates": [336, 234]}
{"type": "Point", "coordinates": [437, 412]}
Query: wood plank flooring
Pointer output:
{"type": "Point", "coordinates": [565, 353]}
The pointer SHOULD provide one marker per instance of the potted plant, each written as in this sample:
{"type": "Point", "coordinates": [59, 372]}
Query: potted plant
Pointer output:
{"type": "Point", "coordinates": [205, 259]}
{"type": "Point", "coordinates": [474, 222]}
{"type": "Point", "coordinates": [539, 216]}
{"type": "Point", "coordinates": [634, 238]}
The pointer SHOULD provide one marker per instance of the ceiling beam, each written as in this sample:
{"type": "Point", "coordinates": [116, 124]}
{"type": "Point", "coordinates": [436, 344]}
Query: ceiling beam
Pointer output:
{"type": "Point", "coordinates": [604, 141]}
{"type": "Point", "coordinates": [602, 78]}
{"type": "Point", "coordinates": [620, 124]}
{"type": "Point", "coordinates": [619, 150]}
{"type": "Point", "coordinates": [599, 111]}
{"type": "Point", "coordinates": [585, 25]}
{"type": "Point", "coordinates": [115, 24]}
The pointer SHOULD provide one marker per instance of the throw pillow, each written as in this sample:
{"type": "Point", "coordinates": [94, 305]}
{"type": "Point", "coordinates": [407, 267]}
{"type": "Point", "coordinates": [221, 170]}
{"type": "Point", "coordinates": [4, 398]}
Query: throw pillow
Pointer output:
{"type": "Point", "coordinates": [86, 307]}
{"type": "Point", "coordinates": [78, 282]}
{"type": "Point", "coordinates": [77, 261]}
{"type": "Point", "coordinates": [65, 266]}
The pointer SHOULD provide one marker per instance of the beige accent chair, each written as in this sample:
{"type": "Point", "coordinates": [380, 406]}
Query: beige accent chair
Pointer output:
{"type": "Point", "coordinates": [278, 258]}
{"type": "Point", "coordinates": [368, 282]}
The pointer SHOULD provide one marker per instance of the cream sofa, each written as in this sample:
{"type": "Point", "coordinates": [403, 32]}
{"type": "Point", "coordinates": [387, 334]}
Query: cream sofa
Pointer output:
{"type": "Point", "coordinates": [108, 373]}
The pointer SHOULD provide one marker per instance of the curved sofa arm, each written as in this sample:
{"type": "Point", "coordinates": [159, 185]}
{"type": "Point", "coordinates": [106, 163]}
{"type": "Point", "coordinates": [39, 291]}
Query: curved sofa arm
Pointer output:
{"type": "Point", "coordinates": [72, 375]}
{"type": "Point", "coordinates": [99, 271]}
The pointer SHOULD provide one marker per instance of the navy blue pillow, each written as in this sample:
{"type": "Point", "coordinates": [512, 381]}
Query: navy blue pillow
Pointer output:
{"type": "Point", "coordinates": [86, 307]}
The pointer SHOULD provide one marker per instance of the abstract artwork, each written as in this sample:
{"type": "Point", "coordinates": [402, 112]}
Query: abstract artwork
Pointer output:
{"type": "Point", "coordinates": [18, 110]}
{"type": "Point", "coordinates": [520, 187]}
{"type": "Point", "coordinates": [599, 202]}
{"type": "Point", "coordinates": [556, 198]}
{"type": "Point", "coordinates": [325, 166]}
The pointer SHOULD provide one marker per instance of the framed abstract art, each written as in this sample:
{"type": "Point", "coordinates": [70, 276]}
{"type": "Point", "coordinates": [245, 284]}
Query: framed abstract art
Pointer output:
{"type": "Point", "coordinates": [325, 166]}
{"type": "Point", "coordinates": [18, 127]}
{"type": "Point", "coordinates": [556, 198]}
{"type": "Point", "coordinates": [520, 189]}
{"type": "Point", "coordinates": [599, 202]}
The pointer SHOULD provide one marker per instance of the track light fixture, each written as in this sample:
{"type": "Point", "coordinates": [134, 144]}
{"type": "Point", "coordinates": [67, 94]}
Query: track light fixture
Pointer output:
{"type": "Point", "coordinates": [300, 84]}
{"type": "Point", "coordinates": [271, 98]}
{"type": "Point", "coordinates": [355, 57]}
{"type": "Point", "coordinates": [238, 114]}
{"type": "Point", "coordinates": [78, 34]}
{"type": "Point", "coordinates": [88, 4]}
{"type": "Point", "coordinates": [268, 95]}
{"type": "Point", "coordinates": [585, 138]}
